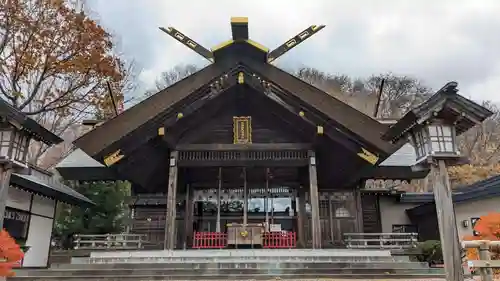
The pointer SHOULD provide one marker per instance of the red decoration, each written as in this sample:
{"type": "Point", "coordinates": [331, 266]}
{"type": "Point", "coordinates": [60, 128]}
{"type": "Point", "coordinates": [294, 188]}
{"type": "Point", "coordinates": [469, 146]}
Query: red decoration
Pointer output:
{"type": "Point", "coordinates": [10, 254]}
{"type": "Point", "coordinates": [271, 240]}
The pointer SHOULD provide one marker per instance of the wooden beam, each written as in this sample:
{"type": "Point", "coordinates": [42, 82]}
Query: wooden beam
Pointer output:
{"type": "Point", "coordinates": [314, 196]}
{"type": "Point", "coordinates": [252, 146]}
{"type": "Point", "coordinates": [301, 216]}
{"type": "Point", "coordinates": [293, 42]}
{"type": "Point", "coordinates": [246, 163]}
{"type": "Point", "coordinates": [170, 237]}
{"type": "Point", "coordinates": [448, 232]}
{"type": "Point", "coordinates": [188, 42]}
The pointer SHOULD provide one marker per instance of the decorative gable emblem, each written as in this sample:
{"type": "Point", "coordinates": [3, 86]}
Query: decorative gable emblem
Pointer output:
{"type": "Point", "coordinates": [368, 156]}
{"type": "Point", "coordinates": [242, 130]}
{"type": "Point", "coordinates": [113, 158]}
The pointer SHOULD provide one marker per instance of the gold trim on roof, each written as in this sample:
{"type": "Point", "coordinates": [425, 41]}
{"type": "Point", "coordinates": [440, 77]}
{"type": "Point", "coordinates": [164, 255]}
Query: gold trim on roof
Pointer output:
{"type": "Point", "coordinates": [239, 19]}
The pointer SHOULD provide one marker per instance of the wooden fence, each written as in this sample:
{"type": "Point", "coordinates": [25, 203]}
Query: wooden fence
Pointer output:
{"type": "Point", "coordinates": [388, 241]}
{"type": "Point", "coordinates": [122, 241]}
{"type": "Point", "coordinates": [484, 265]}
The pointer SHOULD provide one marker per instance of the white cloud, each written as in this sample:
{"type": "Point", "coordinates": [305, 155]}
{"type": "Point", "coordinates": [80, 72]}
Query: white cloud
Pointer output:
{"type": "Point", "coordinates": [437, 41]}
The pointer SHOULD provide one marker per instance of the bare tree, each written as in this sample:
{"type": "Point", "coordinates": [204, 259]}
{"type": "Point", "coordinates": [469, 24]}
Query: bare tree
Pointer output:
{"type": "Point", "coordinates": [400, 93]}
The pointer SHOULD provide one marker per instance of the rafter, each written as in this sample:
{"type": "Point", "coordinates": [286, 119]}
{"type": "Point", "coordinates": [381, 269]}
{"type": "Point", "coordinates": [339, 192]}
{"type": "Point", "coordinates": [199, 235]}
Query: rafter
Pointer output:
{"type": "Point", "coordinates": [188, 42]}
{"type": "Point", "coordinates": [293, 42]}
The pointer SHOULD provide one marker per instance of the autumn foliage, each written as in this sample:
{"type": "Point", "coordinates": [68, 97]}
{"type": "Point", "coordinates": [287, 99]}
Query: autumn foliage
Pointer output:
{"type": "Point", "coordinates": [54, 58]}
{"type": "Point", "coordinates": [488, 228]}
{"type": "Point", "coordinates": [10, 254]}
{"type": "Point", "coordinates": [468, 174]}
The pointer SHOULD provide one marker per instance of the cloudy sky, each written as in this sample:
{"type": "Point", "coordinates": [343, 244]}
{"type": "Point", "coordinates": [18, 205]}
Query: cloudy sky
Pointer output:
{"type": "Point", "coordinates": [436, 41]}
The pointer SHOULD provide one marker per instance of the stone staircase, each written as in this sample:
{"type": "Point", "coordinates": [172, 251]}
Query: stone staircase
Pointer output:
{"type": "Point", "coordinates": [236, 265]}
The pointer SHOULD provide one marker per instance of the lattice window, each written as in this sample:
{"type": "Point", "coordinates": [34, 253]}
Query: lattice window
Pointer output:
{"type": "Point", "coordinates": [420, 139]}
{"type": "Point", "coordinates": [242, 155]}
{"type": "Point", "coordinates": [441, 138]}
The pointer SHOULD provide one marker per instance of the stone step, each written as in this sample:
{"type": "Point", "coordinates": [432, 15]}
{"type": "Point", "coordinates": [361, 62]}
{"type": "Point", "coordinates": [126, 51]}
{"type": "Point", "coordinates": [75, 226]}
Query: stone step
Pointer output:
{"type": "Point", "coordinates": [222, 259]}
{"type": "Point", "coordinates": [201, 272]}
{"type": "Point", "coordinates": [245, 253]}
{"type": "Point", "coordinates": [242, 277]}
{"type": "Point", "coordinates": [241, 264]}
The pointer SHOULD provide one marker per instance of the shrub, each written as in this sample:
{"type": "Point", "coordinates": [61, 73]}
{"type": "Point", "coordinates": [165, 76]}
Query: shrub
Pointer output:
{"type": "Point", "coordinates": [430, 252]}
{"type": "Point", "coordinates": [10, 254]}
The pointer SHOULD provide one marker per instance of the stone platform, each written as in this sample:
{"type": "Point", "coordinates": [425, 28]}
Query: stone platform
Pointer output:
{"type": "Point", "coordinates": [289, 264]}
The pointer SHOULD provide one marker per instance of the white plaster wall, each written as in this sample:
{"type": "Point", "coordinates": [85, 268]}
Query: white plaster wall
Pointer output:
{"type": "Point", "coordinates": [39, 235]}
{"type": "Point", "coordinates": [18, 199]}
{"type": "Point", "coordinates": [43, 206]}
{"type": "Point", "coordinates": [474, 209]}
{"type": "Point", "coordinates": [392, 212]}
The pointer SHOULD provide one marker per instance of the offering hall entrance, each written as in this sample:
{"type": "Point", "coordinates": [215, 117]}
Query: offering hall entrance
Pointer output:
{"type": "Point", "coordinates": [253, 198]}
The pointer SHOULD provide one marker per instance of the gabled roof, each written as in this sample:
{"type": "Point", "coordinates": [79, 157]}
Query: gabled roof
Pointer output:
{"type": "Point", "coordinates": [113, 130]}
{"type": "Point", "coordinates": [36, 130]}
{"type": "Point", "coordinates": [238, 53]}
{"type": "Point", "coordinates": [464, 112]}
{"type": "Point", "coordinates": [347, 118]}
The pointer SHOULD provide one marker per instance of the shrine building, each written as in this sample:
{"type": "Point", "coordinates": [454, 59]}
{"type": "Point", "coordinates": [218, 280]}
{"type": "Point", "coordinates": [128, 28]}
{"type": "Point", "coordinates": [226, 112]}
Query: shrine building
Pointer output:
{"type": "Point", "coordinates": [242, 142]}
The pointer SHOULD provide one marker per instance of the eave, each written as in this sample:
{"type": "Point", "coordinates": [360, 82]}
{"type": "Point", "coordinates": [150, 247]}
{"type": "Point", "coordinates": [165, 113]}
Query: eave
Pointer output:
{"type": "Point", "coordinates": [446, 104]}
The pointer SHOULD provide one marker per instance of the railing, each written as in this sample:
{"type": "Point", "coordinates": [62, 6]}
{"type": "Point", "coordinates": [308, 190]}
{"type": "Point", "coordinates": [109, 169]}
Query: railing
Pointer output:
{"type": "Point", "coordinates": [484, 265]}
{"type": "Point", "coordinates": [209, 240]}
{"type": "Point", "coordinates": [270, 240]}
{"type": "Point", "coordinates": [388, 241]}
{"type": "Point", "coordinates": [122, 241]}
{"type": "Point", "coordinates": [279, 240]}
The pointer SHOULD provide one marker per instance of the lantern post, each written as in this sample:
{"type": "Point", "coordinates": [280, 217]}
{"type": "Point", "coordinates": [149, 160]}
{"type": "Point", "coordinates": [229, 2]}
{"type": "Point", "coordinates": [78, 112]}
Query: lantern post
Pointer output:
{"type": "Point", "coordinates": [432, 128]}
{"type": "Point", "coordinates": [14, 143]}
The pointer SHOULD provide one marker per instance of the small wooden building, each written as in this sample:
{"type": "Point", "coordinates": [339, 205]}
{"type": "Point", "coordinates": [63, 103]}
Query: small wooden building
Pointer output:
{"type": "Point", "coordinates": [29, 194]}
{"type": "Point", "coordinates": [242, 141]}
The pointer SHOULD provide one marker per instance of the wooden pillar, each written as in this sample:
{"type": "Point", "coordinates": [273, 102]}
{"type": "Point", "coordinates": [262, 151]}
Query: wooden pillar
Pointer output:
{"type": "Point", "coordinates": [170, 237]}
{"type": "Point", "coordinates": [245, 198]}
{"type": "Point", "coordinates": [447, 223]}
{"type": "Point", "coordinates": [188, 224]}
{"type": "Point", "coordinates": [333, 229]}
{"type": "Point", "coordinates": [5, 172]}
{"type": "Point", "coordinates": [314, 197]}
{"type": "Point", "coordinates": [359, 209]}
{"type": "Point", "coordinates": [219, 187]}
{"type": "Point", "coordinates": [266, 200]}
{"type": "Point", "coordinates": [301, 216]}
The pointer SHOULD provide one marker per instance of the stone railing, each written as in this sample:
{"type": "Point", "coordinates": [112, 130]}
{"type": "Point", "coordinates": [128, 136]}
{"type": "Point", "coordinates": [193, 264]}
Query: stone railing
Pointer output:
{"type": "Point", "coordinates": [122, 241]}
{"type": "Point", "coordinates": [387, 241]}
{"type": "Point", "coordinates": [484, 265]}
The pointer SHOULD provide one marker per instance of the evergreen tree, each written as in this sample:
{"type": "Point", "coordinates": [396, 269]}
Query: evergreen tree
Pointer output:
{"type": "Point", "coordinates": [107, 216]}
